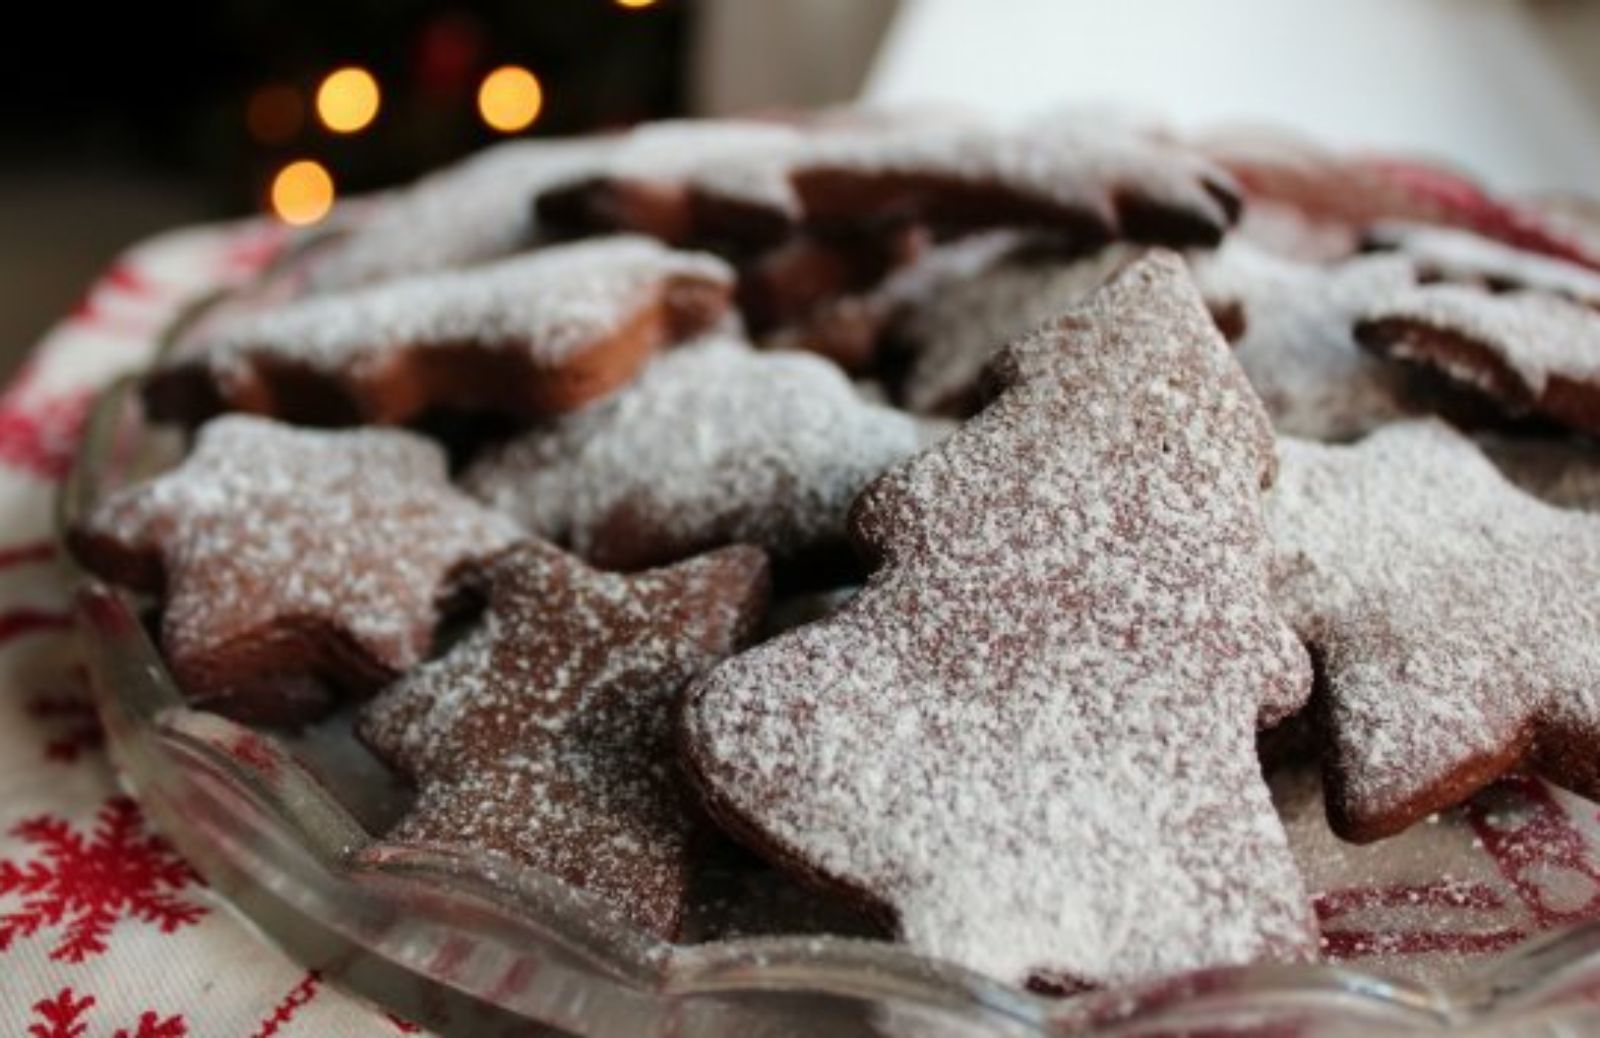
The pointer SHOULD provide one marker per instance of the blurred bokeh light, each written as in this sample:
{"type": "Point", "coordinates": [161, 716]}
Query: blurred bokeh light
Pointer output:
{"type": "Point", "coordinates": [348, 100]}
{"type": "Point", "coordinates": [302, 193]}
{"type": "Point", "coordinates": [510, 99]}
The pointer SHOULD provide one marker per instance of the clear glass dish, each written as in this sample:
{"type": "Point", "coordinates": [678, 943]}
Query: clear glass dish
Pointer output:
{"type": "Point", "coordinates": [1472, 924]}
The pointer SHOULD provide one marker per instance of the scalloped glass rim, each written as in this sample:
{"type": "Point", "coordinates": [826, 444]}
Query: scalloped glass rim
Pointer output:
{"type": "Point", "coordinates": [473, 944]}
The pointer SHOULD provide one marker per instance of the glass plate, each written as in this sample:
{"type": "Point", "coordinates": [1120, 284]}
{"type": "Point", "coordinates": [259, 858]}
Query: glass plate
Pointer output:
{"type": "Point", "coordinates": [1475, 923]}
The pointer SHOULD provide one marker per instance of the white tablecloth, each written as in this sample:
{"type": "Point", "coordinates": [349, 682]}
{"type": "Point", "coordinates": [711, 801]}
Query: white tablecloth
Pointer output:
{"type": "Point", "coordinates": [104, 931]}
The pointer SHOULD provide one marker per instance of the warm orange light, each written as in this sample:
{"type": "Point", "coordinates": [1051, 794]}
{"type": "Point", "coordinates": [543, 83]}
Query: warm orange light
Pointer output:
{"type": "Point", "coordinates": [510, 98]}
{"type": "Point", "coordinates": [636, 5]}
{"type": "Point", "coordinates": [274, 113]}
{"type": "Point", "coordinates": [302, 193]}
{"type": "Point", "coordinates": [347, 100]}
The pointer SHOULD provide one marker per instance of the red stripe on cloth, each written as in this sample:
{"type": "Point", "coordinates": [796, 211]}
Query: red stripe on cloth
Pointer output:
{"type": "Point", "coordinates": [125, 281]}
{"type": "Point", "coordinates": [126, 278]}
{"type": "Point", "coordinates": [1335, 903]}
{"type": "Point", "coordinates": [254, 249]}
{"type": "Point", "coordinates": [27, 554]}
{"type": "Point", "coordinates": [18, 622]}
{"type": "Point", "coordinates": [1532, 842]}
{"type": "Point", "coordinates": [40, 437]}
{"type": "Point", "coordinates": [1358, 944]}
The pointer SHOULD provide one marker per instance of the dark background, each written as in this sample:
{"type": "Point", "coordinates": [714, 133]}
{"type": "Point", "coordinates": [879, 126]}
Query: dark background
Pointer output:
{"type": "Point", "coordinates": [125, 119]}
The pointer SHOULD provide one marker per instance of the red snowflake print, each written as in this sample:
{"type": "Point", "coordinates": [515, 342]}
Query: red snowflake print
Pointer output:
{"type": "Point", "coordinates": [1530, 838]}
{"type": "Point", "coordinates": [74, 725]}
{"type": "Point", "coordinates": [63, 1017]}
{"type": "Point", "coordinates": [1341, 914]}
{"type": "Point", "coordinates": [298, 996]}
{"type": "Point", "coordinates": [84, 887]}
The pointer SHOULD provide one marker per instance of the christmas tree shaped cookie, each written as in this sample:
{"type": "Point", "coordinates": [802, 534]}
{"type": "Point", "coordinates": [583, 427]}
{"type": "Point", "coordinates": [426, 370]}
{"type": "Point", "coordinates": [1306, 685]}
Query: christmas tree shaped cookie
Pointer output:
{"type": "Point", "coordinates": [1030, 739]}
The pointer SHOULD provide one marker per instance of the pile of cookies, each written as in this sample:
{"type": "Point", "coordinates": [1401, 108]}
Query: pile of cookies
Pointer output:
{"type": "Point", "coordinates": [527, 461]}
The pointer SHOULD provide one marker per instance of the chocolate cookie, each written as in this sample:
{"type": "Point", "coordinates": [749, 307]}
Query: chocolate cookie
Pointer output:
{"type": "Point", "coordinates": [545, 735]}
{"type": "Point", "coordinates": [852, 327]}
{"type": "Point", "coordinates": [1094, 181]}
{"type": "Point", "coordinates": [1529, 352]}
{"type": "Point", "coordinates": [1448, 254]}
{"type": "Point", "coordinates": [758, 183]}
{"type": "Point", "coordinates": [1296, 341]}
{"type": "Point", "coordinates": [477, 210]}
{"type": "Point", "coordinates": [949, 338]}
{"type": "Point", "coordinates": [714, 444]}
{"type": "Point", "coordinates": [535, 335]}
{"type": "Point", "coordinates": [293, 563]}
{"type": "Point", "coordinates": [1030, 739]}
{"type": "Point", "coordinates": [687, 182]}
{"type": "Point", "coordinates": [799, 281]}
{"type": "Point", "coordinates": [1452, 617]}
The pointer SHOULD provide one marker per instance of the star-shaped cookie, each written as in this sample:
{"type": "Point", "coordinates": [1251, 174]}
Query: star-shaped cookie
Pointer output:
{"type": "Point", "coordinates": [757, 183]}
{"type": "Point", "coordinates": [534, 335]}
{"type": "Point", "coordinates": [1530, 352]}
{"type": "Point", "coordinates": [477, 210]}
{"type": "Point", "coordinates": [294, 563]}
{"type": "Point", "coordinates": [1030, 739]}
{"type": "Point", "coordinates": [687, 182]}
{"type": "Point", "coordinates": [1095, 180]}
{"type": "Point", "coordinates": [716, 443]}
{"type": "Point", "coordinates": [1452, 616]}
{"type": "Point", "coordinates": [545, 734]}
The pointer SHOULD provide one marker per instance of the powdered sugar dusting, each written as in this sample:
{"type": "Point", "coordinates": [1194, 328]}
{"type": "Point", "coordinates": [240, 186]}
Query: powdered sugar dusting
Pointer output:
{"type": "Point", "coordinates": [1087, 166]}
{"type": "Point", "coordinates": [1533, 336]}
{"type": "Point", "coordinates": [736, 160]}
{"type": "Point", "coordinates": [1454, 615]}
{"type": "Point", "coordinates": [265, 531]}
{"type": "Point", "coordinates": [546, 733]}
{"type": "Point", "coordinates": [1086, 171]}
{"type": "Point", "coordinates": [1449, 254]}
{"type": "Point", "coordinates": [1031, 736]}
{"type": "Point", "coordinates": [477, 210]}
{"type": "Point", "coordinates": [549, 305]}
{"type": "Point", "coordinates": [1298, 348]}
{"type": "Point", "coordinates": [955, 333]}
{"type": "Point", "coordinates": [714, 444]}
